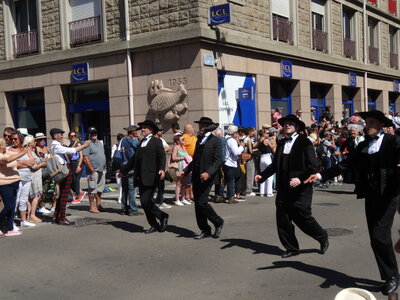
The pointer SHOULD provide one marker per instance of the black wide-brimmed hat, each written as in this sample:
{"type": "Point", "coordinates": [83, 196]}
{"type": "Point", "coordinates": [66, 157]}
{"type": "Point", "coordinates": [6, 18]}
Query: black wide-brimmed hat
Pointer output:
{"type": "Point", "coordinates": [206, 121]}
{"type": "Point", "coordinates": [377, 114]}
{"type": "Point", "coordinates": [148, 123]}
{"type": "Point", "coordinates": [294, 119]}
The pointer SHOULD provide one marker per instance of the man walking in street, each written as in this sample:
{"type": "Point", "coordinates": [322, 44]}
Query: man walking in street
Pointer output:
{"type": "Point", "coordinates": [128, 147]}
{"type": "Point", "coordinates": [294, 161]}
{"type": "Point", "coordinates": [61, 153]}
{"type": "Point", "coordinates": [149, 164]}
{"type": "Point", "coordinates": [376, 161]}
{"type": "Point", "coordinates": [95, 160]}
{"type": "Point", "coordinates": [204, 167]}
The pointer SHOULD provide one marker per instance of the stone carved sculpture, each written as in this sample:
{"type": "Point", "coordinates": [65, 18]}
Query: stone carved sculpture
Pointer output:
{"type": "Point", "coordinates": [165, 104]}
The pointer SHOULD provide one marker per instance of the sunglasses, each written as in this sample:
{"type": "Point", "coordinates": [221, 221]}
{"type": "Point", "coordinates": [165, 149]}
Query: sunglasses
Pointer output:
{"type": "Point", "coordinates": [6, 135]}
{"type": "Point", "coordinates": [15, 139]}
{"type": "Point", "coordinates": [72, 136]}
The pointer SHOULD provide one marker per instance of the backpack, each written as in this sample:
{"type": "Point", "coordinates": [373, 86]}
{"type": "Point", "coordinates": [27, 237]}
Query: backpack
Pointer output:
{"type": "Point", "coordinates": [321, 150]}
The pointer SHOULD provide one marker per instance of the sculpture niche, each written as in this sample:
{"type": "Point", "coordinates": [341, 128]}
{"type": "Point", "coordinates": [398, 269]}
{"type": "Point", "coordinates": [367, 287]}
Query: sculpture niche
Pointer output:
{"type": "Point", "coordinates": [165, 104]}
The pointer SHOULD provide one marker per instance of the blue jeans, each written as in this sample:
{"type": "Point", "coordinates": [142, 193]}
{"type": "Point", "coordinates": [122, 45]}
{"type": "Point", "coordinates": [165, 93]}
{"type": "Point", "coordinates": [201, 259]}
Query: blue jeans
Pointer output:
{"type": "Point", "coordinates": [8, 193]}
{"type": "Point", "coordinates": [128, 203]}
{"type": "Point", "coordinates": [230, 180]}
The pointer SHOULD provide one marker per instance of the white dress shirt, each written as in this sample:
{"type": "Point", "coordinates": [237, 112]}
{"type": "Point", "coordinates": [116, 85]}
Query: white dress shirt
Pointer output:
{"type": "Point", "coordinates": [375, 144]}
{"type": "Point", "coordinates": [289, 143]}
{"type": "Point", "coordinates": [61, 152]}
{"type": "Point", "coordinates": [145, 140]}
{"type": "Point", "coordinates": [203, 141]}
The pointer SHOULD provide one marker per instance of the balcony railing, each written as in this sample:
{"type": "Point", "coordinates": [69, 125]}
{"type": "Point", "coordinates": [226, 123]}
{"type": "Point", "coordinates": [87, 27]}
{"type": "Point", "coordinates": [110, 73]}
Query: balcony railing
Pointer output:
{"type": "Point", "coordinates": [282, 30]}
{"type": "Point", "coordinates": [349, 48]}
{"type": "Point", "coordinates": [84, 31]}
{"type": "Point", "coordinates": [25, 42]}
{"type": "Point", "coordinates": [373, 55]}
{"type": "Point", "coordinates": [394, 60]}
{"type": "Point", "coordinates": [320, 40]}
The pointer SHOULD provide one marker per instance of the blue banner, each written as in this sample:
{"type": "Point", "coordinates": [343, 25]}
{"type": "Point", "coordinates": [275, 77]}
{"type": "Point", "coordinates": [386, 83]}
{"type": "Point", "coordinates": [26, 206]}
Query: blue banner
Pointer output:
{"type": "Point", "coordinates": [219, 14]}
{"type": "Point", "coordinates": [286, 69]}
{"type": "Point", "coordinates": [352, 79]}
{"type": "Point", "coordinates": [396, 88]}
{"type": "Point", "coordinates": [80, 72]}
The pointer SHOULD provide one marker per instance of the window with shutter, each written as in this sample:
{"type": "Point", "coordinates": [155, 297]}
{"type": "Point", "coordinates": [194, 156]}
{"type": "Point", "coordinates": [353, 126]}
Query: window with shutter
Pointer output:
{"type": "Point", "coordinates": [281, 8]}
{"type": "Point", "coordinates": [82, 9]}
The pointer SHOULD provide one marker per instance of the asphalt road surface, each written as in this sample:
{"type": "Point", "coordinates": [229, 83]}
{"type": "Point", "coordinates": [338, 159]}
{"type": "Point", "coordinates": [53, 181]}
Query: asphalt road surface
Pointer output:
{"type": "Point", "coordinates": [106, 256]}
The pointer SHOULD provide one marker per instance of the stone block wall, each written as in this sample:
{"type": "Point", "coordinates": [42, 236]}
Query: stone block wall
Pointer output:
{"type": "Point", "coordinates": [51, 25]}
{"type": "Point", "coordinates": [384, 44]}
{"type": "Point", "coordinates": [2, 40]}
{"type": "Point", "coordinates": [304, 25]}
{"type": "Point", "coordinates": [336, 16]}
{"type": "Point", "coordinates": [115, 19]}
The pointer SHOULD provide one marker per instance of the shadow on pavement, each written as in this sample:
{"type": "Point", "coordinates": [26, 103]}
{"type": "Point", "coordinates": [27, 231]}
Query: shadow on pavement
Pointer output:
{"type": "Point", "coordinates": [125, 226]}
{"type": "Point", "coordinates": [256, 247]}
{"type": "Point", "coordinates": [337, 192]}
{"type": "Point", "coordinates": [332, 277]}
{"type": "Point", "coordinates": [181, 232]}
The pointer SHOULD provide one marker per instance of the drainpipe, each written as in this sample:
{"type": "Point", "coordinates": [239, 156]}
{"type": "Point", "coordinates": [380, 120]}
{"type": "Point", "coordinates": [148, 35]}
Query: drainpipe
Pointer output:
{"type": "Point", "coordinates": [129, 65]}
{"type": "Point", "coordinates": [130, 88]}
{"type": "Point", "coordinates": [365, 54]}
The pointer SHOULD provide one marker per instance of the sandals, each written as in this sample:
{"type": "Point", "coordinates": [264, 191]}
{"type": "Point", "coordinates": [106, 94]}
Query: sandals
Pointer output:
{"type": "Point", "coordinates": [13, 233]}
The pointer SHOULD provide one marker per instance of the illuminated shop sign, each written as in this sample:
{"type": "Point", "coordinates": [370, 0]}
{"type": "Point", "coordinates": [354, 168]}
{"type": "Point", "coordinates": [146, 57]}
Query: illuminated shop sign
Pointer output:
{"type": "Point", "coordinates": [286, 69]}
{"type": "Point", "coordinates": [219, 14]}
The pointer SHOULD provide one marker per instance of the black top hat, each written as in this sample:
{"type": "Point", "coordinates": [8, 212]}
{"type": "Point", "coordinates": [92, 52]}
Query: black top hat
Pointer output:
{"type": "Point", "coordinates": [92, 130]}
{"type": "Point", "coordinates": [294, 119]}
{"type": "Point", "coordinates": [148, 123]}
{"type": "Point", "coordinates": [206, 121]}
{"type": "Point", "coordinates": [377, 114]}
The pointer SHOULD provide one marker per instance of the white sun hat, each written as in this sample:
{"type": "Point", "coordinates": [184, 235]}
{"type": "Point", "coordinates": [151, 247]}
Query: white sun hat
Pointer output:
{"type": "Point", "coordinates": [354, 294]}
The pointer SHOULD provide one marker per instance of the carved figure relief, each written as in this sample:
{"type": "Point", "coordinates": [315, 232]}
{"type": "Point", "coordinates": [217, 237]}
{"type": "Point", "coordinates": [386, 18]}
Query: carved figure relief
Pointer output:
{"type": "Point", "coordinates": [165, 104]}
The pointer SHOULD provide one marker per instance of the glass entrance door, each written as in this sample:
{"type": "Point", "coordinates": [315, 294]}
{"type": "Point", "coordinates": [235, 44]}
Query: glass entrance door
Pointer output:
{"type": "Point", "coordinates": [89, 106]}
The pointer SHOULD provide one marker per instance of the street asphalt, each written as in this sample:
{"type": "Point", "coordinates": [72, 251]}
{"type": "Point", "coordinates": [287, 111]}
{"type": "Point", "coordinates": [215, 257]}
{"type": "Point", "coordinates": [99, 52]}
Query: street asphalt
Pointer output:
{"type": "Point", "coordinates": [106, 256]}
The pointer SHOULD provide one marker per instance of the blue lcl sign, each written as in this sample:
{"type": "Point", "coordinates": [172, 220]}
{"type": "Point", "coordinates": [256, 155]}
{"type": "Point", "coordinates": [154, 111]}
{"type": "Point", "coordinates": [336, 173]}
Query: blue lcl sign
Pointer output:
{"type": "Point", "coordinates": [286, 69]}
{"type": "Point", "coordinates": [396, 87]}
{"type": "Point", "coordinates": [80, 72]}
{"type": "Point", "coordinates": [352, 79]}
{"type": "Point", "coordinates": [219, 14]}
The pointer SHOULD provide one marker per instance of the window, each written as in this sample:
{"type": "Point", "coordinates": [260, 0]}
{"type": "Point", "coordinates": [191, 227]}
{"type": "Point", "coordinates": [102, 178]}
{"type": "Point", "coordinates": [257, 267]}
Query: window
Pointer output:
{"type": "Point", "coordinates": [373, 41]}
{"type": "Point", "coordinates": [86, 22]}
{"type": "Point", "coordinates": [281, 24]}
{"type": "Point", "coordinates": [24, 37]}
{"type": "Point", "coordinates": [393, 51]}
{"type": "Point", "coordinates": [320, 37]}
{"type": "Point", "coordinates": [349, 40]}
{"type": "Point", "coordinates": [281, 8]}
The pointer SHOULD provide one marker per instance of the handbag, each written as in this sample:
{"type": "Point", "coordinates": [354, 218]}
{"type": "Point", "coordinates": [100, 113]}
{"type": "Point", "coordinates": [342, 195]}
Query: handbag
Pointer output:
{"type": "Point", "coordinates": [55, 170]}
{"type": "Point", "coordinates": [245, 157]}
{"type": "Point", "coordinates": [172, 165]}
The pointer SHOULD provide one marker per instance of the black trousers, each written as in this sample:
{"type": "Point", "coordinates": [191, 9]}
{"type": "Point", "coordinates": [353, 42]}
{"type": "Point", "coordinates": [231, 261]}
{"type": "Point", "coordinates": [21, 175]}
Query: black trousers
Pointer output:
{"type": "Point", "coordinates": [294, 206]}
{"type": "Point", "coordinates": [380, 213]}
{"type": "Point", "coordinates": [150, 209]}
{"type": "Point", "coordinates": [204, 211]}
{"type": "Point", "coordinates": [76, 177]}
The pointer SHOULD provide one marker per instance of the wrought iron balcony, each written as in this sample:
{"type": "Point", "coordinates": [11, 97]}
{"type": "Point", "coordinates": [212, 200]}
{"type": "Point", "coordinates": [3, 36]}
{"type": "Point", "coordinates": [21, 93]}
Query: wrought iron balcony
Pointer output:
{"type": "Point", "coordinates": [373, 55]}
{"type": "Point", "coordinates": [349, 48]}
{"type": "Point", "coordinates": [85, 31]}
{"type": "Point", "coordinates": [282, 29]}
{"type": "Point", "coordinates": [394, 60]}
{"type": "Point", "coordinates": [25, 42]}
{"type": "Point", "coordinates": [320, 40]}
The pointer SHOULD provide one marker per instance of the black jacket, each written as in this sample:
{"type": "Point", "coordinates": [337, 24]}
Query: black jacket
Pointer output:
{"type": "Point", "coordinates": [302, 161]}
{"type": "Point", "coordinates": [209, 161]}
{"type": "Point", "coordinates": [147, 162]}
{"type": "Point", "coordinates": [389, 158]}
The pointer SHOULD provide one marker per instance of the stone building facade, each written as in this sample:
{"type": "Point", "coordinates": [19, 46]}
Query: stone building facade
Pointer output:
{"type": "Point", "coordinates": [128, 45]}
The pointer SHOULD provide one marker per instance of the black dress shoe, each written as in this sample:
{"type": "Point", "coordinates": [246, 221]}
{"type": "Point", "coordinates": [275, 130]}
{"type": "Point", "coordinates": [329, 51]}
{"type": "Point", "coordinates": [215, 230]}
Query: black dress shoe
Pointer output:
{"type": "Point", "coordinates": [288, 253]}
{"type": "Point", "coordinates": [203, 235]}
{"type": "Point", "coordinates": [151, 230]}
{"type": "Point", "coordinates": [163, 223]}
{"type": "Point", "coordinates": [390, 285]}
{"type": "Point", "coordinates": [218, 230]}
{"type": "Point", "coordinates": [324, 246]}
{"type": "Point", "coordinates": [65, 222]}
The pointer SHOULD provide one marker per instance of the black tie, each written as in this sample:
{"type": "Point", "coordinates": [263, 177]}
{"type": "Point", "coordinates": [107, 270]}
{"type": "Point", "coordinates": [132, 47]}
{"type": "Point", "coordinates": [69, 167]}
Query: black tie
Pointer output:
{"type": "Point", "coordinates": [288, 139]}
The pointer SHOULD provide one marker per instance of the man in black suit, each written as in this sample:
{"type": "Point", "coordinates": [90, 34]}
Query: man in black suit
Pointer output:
{"type": "Point", "coordinates": [149, 164]}
{"type": "Point", "coordinates": [376, 161]}
{"type": "Point", "coordinates": [294, 161]}
{"type": "Point", "coordinates": [204, 167]}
